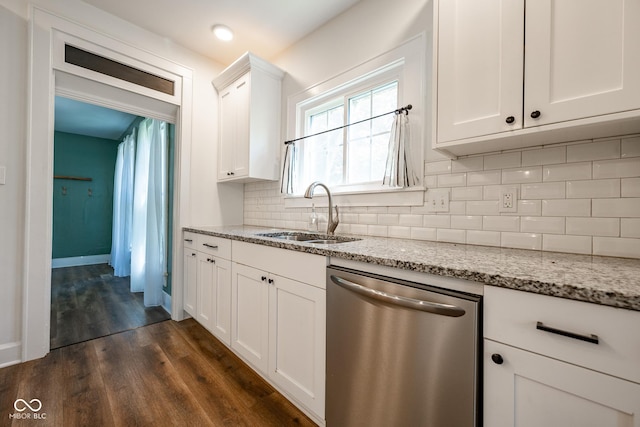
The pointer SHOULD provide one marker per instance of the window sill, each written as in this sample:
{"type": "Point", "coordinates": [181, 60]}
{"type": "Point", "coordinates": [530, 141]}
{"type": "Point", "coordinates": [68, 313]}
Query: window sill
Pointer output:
{"type": "Point", "coordinates": [413, 196]}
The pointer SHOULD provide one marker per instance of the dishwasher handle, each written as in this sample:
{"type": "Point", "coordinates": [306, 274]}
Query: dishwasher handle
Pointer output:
{"type": "Point", "coordinates": [416, 304]}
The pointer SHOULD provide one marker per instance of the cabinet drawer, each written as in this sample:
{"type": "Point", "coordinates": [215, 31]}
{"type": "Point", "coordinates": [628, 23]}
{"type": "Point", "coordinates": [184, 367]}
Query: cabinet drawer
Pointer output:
{"type": "Point", "coordinates": [189, 240]}
{"type": "Point", "coordinates": [216, 246]}
{"type": "Point", "coordinates": [522, 320]}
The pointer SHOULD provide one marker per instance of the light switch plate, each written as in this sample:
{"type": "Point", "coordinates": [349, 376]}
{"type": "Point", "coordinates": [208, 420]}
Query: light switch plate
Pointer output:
{"type": "Point", "coordinates": [3, 174]}
{"type": "Point", "coordinates": [438, 200]}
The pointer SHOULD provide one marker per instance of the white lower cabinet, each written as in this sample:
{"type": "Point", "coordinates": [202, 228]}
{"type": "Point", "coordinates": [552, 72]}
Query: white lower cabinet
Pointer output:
{"type": "Point", "coordinates": [553, 362]}
{"type": "Point", "coordinates": [278, 320]}
{"type": "Point", "coordinates": [530, 390]}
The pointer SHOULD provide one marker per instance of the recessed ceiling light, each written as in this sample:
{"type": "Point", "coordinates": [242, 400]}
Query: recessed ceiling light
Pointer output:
{"type": "Point", "coordinates": [222, 32]}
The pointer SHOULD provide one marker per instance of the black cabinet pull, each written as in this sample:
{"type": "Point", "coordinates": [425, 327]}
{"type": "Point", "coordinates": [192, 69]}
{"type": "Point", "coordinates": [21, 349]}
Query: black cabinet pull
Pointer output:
{"type": "Point", "coordinates": [230, 173]}
{"type": "Point", "coordinates": [593, 339]}
{"type": "Point", "coordinates": [270, 281]}
{"type": "Point", "coordinates": [210, 246]}
{"type": "Point", "coordinates": [510, 120]}
{"type": "Point", "coordinates": [264, 278]}
{"type": "Point", "coordinates": [188, 240]}
{"type": "Point", "coordinates": [535, 114]}
{"type": "Point", "coordinates": [497, 359]}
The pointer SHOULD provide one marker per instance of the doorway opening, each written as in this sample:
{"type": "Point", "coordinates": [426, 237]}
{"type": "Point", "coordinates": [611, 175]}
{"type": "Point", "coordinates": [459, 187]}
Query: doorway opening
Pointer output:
{"type": "Point", "coordinates": [111, 267]}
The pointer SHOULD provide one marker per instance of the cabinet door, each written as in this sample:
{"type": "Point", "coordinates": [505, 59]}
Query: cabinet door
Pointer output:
{"type": "Point", "coordinates": [227, 133]}
{"type": "Point", "coordinates": [297, 341]}
{"type": "Point", "coordinates": [479, 73]}
{"type": "Point", "coordinates": [582, 59]}
{"type": "Point", "coordinates": [249, 315]}
{"type": "Point", "coordinates": [221, 321]}
{"type": "Point", "coordinates": [190, 267]}
{"type": "Point", "coordinates": [206, 287]}
{"type": "Point", "coordinates": [530, 390]}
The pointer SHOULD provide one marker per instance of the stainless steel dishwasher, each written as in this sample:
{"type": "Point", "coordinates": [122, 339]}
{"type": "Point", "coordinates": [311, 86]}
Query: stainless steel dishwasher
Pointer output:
{"type": "Point", "coordinates": [400, 353]}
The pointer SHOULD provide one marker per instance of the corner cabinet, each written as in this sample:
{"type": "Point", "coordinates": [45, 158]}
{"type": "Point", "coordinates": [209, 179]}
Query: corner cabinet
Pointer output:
{"type": "Point", "coordinates": [553, 362]}
{"type": "Point", "coordinates": [570, 82]}
{"type": "Point", "coordinates": [249, 92]}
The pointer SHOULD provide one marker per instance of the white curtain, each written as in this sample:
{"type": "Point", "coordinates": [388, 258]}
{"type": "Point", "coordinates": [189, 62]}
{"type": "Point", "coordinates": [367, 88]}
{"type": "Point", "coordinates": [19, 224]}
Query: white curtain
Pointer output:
{"type": "Point", "coordinates": [123, 207]}
{"type": "Point", "coordinates": [149, 238]}
{"type": "Point", "coordinates": [400, 171]}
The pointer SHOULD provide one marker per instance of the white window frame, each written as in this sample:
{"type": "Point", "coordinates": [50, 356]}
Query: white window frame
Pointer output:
{"type": "Point", "coordinates": [406, 64]}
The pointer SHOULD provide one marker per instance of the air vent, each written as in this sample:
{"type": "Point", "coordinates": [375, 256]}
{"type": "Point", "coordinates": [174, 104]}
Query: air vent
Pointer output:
{"type": "Point", "coordinates": [102, 65]}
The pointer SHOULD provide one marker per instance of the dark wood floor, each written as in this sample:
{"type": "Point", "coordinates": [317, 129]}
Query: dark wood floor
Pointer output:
{"type": "Point", "coordinates": [88, 302]}
{"type": "Point", "coordinates": [165, 374]}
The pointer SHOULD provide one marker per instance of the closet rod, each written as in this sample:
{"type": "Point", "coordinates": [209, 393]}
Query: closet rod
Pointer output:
{"type": "Point", "coordinates": [398, 111]}
{"type": "Point", "coordinates": [74, 178]}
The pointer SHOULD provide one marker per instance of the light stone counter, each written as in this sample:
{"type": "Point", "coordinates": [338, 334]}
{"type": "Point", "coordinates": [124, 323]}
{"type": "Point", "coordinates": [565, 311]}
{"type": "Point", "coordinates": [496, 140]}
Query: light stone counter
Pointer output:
{"type": "Point", "coordinates": [601, 280]}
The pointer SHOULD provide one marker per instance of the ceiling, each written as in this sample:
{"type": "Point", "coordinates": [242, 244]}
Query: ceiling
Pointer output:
{"type": "Point", "coordinates": [264, 27]}
{"type": "Point", "coordinates": [90, 120]}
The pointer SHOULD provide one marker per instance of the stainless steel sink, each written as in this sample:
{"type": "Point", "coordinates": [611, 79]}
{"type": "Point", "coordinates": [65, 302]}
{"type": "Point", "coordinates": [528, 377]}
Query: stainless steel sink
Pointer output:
{"type": "Point", "coordinates": [320, 239]}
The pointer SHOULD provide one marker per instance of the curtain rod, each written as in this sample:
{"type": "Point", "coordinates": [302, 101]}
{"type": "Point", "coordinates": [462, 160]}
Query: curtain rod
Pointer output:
{"type": "Point", "coordinates": [398, 111]}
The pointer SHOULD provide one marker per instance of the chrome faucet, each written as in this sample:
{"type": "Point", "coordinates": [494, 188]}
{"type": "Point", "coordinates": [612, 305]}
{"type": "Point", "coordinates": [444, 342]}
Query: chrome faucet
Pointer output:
{"type": "Point", "coordinates": [332, 224]}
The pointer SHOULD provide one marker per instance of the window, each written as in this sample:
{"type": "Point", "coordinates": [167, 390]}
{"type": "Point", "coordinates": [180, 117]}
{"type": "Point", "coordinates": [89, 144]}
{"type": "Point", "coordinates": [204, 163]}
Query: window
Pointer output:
{"type": "Point", "coordinates": [353, 157]}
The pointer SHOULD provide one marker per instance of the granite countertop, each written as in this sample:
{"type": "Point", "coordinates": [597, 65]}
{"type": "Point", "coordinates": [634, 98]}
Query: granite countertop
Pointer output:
{"type": "Point", "coordinates": [601, 280]}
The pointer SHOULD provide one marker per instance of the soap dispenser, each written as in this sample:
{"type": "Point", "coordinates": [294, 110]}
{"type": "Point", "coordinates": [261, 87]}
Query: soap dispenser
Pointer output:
{"type": "Point", "coordinates": [313, 219]}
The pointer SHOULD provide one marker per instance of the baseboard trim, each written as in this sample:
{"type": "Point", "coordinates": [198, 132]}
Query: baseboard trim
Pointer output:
{"type": "Point", "coordinates": [10, 354]}
{"type": "Point", "coordinates": [166, 302]}
{"type": "Point", "coordinates": [80, 260]}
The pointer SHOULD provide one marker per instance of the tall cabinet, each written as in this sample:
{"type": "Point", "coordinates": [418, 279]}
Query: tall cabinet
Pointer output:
{"type": "Point", "coordinates": [509, 76]}
{"type": "Point", "coordinates": [249, 92]}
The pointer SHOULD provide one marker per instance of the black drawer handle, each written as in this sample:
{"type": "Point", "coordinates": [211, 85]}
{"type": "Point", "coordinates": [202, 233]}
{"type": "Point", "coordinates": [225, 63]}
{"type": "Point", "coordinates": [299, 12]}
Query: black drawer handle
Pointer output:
{"type": "Point", "coordinates": [510, 120]}
{"type": "Point", "coordinates": [188, 240]}
{"type": "Point", "coordinates": [588, 338]}
{"type": "Point", "coordinates": [535, 114]}
{"type": "Point", "coordinates": [210, 246]}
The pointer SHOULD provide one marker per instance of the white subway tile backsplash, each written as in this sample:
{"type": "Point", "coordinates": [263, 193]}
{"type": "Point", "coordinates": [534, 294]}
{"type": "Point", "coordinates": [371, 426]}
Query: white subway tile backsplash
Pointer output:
{"type": "Point", "coordinates": [484, 207]}
{"type": "Point", "coordinates": [631, 147]}
{"type": "Point", "coordinates": [484, 178]}
{"type": "Point", "coordinates": [522, 175]}
{"type": "Point", "coordinates": [593, 188]}
{"type": "Point", "coordinates": [600, 150]}
{"type": "Point", "coordinates": [468, 164]}
{"type": "Point", "coordinates": [614, 246]}
{"type": "Point", "coordinates": [437, 221]}
{"type": "Point", "coordinates": [544, 156]}
{"type": "Point", "coordinates": [410, 220]}
{"type": "Point", "coordinates": [435, 168]}
{"type": "Point", "coordinates": [620, 208]}
{"type": "Point", "coordinates": [419, 233]}
{"type": "Point", "coordinates": [562, 243]}
{"type": "Point", "coordinates": [630, 227]}
{"type": "Point", "coordinates": [501, 223]}
{"type": "Point", "coordinates": [542, 224]}
{"type": "Point", "coordinates": [521, 240]}
{"type": "Point", "coordinates": [546, 190]}
{"type": "Point", "coordinates": [581, 197]}
{"type": "Point", "coordinates": [630, 187]}
{"type": "Point", "coordinates": [502, 161]}
{"type": "Point", "coordinates": [466, 193]}
{"type": "Point", "coordinates": [466, 222]}
{"type": "Point", "coordinates": [566, 207]}
{"type": "Point", "coordinates": [621, 168]}
{"type": "Point", "coordinates": [450, 235]}
{"type": "Point", "coordinates": [399, 232]}
{"type": "Point", "coordinates": [567, 171]}
{"type": "Point", "coordinates": [528, 207]}
{"type": "Point", "coordinates": [593, 226]}
{"type": "Point", "coordinates": [486, 238]}
{"type": "Point", "coordinates": [452, 180]}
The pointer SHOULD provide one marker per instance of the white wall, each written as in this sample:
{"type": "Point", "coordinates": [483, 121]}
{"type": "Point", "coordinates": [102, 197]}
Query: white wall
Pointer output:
{"type": "Point", "coordinates": [13, 87]}
{"type": "Point", "coordinates": [209, 203]}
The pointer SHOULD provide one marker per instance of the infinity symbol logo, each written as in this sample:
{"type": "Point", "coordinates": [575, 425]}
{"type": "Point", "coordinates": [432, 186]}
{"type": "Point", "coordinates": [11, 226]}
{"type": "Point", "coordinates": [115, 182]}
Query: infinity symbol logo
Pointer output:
{"type": "Point", "coordinates": [25, 405]}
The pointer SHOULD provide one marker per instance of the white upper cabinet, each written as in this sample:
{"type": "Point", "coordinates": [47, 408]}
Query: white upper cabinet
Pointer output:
{"type": "Point", "coordinates": [249, 145]}
{"type": "Point", "coordinates": [510, 78]}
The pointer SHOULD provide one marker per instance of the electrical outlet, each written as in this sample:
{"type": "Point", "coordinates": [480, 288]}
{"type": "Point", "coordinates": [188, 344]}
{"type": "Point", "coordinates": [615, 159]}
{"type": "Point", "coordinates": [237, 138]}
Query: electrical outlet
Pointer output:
{"type": "Point", "coordinates": [438, 200]}
{"type": "Point", "coordinates": [508, 199]}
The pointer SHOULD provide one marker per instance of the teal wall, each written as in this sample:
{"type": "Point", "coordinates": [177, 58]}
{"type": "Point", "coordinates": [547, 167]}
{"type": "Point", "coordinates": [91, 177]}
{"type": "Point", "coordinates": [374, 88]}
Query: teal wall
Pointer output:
{"type": "Point", "coordinates": [82, 222]}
